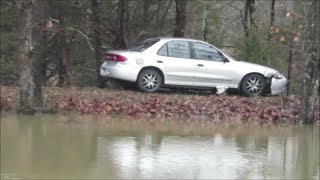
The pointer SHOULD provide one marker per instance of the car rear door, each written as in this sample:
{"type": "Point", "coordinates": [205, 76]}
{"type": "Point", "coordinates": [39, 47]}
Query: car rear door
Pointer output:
{"type": "Point", "coordinates": [174, 59]}
{"type": "Point", "coordinates": [211, 69]}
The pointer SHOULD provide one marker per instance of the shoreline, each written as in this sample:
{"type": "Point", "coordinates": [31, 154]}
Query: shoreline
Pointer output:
{"type": "Point", "coordinates": [165, 105]}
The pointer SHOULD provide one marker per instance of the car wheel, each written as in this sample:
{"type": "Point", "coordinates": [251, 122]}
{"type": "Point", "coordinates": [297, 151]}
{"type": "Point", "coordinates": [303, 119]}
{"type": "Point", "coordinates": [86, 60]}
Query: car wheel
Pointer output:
{"type": "Point", "coordinates": [253, 85]}
{"type": "Point", "coordinates": [149, 81]}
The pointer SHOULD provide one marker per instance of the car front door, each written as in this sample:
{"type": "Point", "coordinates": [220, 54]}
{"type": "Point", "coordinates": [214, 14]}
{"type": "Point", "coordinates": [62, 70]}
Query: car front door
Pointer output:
{"type": "Point", "coordinates": [174, 59]}
{"type": "Point", "coordinates": [211, 69]}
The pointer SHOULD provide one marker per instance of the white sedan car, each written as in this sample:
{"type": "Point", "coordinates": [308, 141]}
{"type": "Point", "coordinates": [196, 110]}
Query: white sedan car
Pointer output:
{"type": "Point", "coordinates": [176, 62]}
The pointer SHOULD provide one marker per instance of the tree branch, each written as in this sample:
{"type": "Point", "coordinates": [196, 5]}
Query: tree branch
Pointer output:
{"type": "Point", "coordinates": [83, 35]}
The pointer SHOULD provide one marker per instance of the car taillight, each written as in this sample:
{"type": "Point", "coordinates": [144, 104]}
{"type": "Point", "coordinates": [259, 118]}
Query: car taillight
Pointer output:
{"type": "Point", "coordinates": [114, 57]}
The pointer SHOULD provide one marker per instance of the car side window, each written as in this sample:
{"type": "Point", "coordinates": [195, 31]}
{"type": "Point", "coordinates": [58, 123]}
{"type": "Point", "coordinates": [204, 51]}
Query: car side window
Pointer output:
{"type": "Point", "coordinates": [206, 52]}
{"type": "Point", "coordinates": [179, 49]}
{"type": "Point", "coordinates": [163, 51]}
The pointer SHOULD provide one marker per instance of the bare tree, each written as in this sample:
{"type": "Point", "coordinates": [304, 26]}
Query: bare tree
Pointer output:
{"type": "Point", "coordinates": [272, 17]}
{"type": "Point", "coordinates": [64, 70]}
{"type": "Point", "coordinates": [146, 16]}
{"type": "Point", "coordinates": [252, 9]}
{"type": "Point", "coordinates": [162, 18]}
{"type": "Point", "coordinates": [96, 19]}
{"type": "Point", "coordinates": [26, 83]}
{"type": "Point", "coordinates": [311, 79]}
{"type": "Point", "coordinates": [245, 18]}
{"type": "Point", "coordinates": [181, 8]}
{"type": "Point", "coordinates": [121, 40]}
{"type": "Point", "coordinates": [290, 54]}
{"type": "Point", "coordinates": [248, 15]}
{"type": "Point", "coordinates": [39, 36]}
{"type": "Point", "coordinates": [205, 13]}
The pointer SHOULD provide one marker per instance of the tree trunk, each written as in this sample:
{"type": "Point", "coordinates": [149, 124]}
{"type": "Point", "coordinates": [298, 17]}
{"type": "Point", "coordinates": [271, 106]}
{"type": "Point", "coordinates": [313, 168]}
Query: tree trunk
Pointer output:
{"type": "Point", "coordinates": [39, 63]}
{"type": "Point", "coordinates": [245, 18]}
{"type": "Point", "coordinates": [246, 28]}
{"type": "Point", "coordinates": [252, 9]}
{"type": "Point", "coordinates": [311, 81]}
{"type": "Point", "coordinates": [26, 84]}
{"type": "Point", "coordinates": [63, 59]}
{"type": "Point", "coordinates": [121, 40]}
{"type": "Point", "coordinates": [205, 20]}
{"type": "Point", "coordinates": [272, 15]}
{"type": "Point", "coordinates": [248, 15]}
{"type": "Point", "coordinates": [146, 16]}
{"type": "Point", "coordinates": [181, 9]}
{"type": "Point", "coordinates": [269, 36]}
{"type": "Point", "coordinates": [161, 20]}
{"type": "Point", "coordinates": [290, 55]}
{"type": "Point", "coordinates": [96, 19]}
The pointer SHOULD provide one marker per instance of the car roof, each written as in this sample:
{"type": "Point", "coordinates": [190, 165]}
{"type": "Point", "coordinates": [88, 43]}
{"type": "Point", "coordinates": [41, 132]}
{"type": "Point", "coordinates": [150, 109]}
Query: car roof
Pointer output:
{"type": "Point", "coordinates": [178, 38]}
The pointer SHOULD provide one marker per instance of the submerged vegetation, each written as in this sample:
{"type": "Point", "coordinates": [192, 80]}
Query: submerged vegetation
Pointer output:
{"type": "Point", "coordinates": [165, 104]}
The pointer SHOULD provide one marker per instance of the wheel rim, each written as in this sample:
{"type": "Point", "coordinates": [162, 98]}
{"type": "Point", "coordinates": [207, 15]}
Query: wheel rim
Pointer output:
{"type": "Point", "coordinates": [150, 81]}
{"type": "Point", "coordinates": [253, 85]}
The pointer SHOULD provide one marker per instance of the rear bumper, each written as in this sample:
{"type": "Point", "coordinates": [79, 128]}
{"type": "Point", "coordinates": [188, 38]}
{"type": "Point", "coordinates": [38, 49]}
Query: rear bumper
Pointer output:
{"type": "Point", "coordinates": [278, 86]}
{"type": "Point", "coordinates": [127, 73]}
{"type": "Point", "coordinates": [105, 78]}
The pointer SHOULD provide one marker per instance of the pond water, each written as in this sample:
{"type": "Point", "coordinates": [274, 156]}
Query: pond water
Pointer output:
{"type": "Point", "coordinates": [64, 146]}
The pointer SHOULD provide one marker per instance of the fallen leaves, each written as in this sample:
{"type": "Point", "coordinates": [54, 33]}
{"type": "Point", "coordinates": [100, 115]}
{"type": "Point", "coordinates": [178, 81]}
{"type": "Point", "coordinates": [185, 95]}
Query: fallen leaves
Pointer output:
{"type": "Point", "coordinates": [204, 106]}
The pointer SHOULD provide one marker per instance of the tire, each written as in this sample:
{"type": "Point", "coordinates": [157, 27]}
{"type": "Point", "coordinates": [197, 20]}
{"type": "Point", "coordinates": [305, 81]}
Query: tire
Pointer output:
{"type": "Point", "coordinates": [149, 81]}
{"type": "Point", "coordinates": [253, 85]}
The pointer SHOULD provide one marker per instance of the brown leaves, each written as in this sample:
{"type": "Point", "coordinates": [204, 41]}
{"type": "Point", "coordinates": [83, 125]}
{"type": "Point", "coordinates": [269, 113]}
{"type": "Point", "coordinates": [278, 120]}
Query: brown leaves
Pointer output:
{"type": "Point", "coordinates": [167, 105]}
{"type": "Point", "coordinates": [209, 107]}
{"type": "Point", "coordinates": [6, 103]}
{"type": "Point", "coordinates": [289, 14]}
{"type": "Point", "coordinates": [280, 38]}
{"type": "Point", "coordinates": [6, 100]}
{"type": "Point", "coordinates": [273, 30]}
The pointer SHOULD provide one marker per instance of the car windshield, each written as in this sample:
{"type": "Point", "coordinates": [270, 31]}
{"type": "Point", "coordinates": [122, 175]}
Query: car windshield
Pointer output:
{"type": "Point", "coordinates": [143, 45]}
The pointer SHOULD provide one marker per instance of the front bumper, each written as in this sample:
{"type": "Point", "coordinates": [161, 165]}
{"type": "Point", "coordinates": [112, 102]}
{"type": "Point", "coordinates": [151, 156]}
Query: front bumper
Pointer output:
{"type": "Point", "coordinates": [278, 85]}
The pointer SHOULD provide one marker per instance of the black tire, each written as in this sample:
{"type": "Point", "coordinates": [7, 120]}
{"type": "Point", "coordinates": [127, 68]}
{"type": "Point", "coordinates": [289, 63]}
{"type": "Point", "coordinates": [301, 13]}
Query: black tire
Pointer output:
{"type": "Point", "coordinates": [149, 81]}
{"type": "Point", "coordinates": [253, 85]}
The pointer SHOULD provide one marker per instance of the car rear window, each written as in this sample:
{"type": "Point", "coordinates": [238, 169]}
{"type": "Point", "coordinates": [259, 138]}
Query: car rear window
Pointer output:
{"type": "Point", "coordinates": [176, 48]}
{"type": "Point", "coordinates": [143, 45]}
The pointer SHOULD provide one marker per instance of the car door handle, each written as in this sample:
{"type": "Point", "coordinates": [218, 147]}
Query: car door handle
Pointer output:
{"type": "Point", "coordinates": [200, 65]}
{"type": "Point", "coordinates": [159, 61]}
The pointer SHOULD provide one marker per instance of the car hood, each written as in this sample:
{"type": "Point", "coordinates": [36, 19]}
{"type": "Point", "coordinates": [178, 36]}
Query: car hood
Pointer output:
{"type": "Point", "coordinates": [267, 71]}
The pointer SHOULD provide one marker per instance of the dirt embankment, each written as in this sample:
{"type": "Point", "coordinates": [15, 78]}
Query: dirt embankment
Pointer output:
{"type": "Point", "coordinates": [165, 104]}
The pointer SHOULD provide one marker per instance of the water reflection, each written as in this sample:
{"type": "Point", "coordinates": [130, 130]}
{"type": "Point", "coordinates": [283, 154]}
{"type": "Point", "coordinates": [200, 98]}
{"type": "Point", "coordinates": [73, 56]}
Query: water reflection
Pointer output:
{"type": "Point", "coordinates": [44, 147]}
